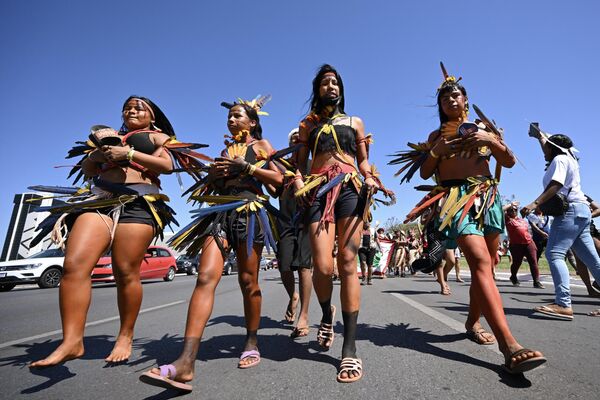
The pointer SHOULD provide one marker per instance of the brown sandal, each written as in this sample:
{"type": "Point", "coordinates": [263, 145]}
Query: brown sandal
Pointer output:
{"type": "Point", "coordinates": [479, 338]}
{"type": "Point", "coordinates": [325, 334]}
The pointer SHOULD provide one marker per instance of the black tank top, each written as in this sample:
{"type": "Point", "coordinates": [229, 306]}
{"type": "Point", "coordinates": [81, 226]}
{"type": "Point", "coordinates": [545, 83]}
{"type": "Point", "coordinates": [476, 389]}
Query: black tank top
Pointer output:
{"type": "Point", "coordinates": [141, 142]}
{"type": "Point", "coordinates": [346, 136]}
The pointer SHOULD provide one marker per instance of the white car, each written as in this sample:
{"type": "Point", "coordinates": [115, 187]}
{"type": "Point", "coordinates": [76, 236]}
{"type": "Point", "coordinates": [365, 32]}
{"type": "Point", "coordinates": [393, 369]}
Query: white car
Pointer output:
{"type": "Point", "coordinates": [44, 268]}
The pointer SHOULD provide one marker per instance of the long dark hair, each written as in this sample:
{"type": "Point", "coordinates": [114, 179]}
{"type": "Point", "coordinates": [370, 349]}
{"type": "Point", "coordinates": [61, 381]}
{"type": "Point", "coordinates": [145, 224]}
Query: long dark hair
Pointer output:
{"type": "Point", "coordinates": [316, 104]}
{"type": "Point", "coordinates": [160, 119]}
{"type": "Point", "coordinates": [447, 88]}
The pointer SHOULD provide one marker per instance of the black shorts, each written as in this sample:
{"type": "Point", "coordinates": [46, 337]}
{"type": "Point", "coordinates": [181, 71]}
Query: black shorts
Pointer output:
{"type": "Point", "coordinates": [236, 229]}
{"type": "Point", "coordinates": [134, 212]}
{"type": "Point", "coordinates": [348, 204]}
{"type": "Point", "coordinates": [293, 252]}
{"type": "Point", "coordinates": [367, 255]}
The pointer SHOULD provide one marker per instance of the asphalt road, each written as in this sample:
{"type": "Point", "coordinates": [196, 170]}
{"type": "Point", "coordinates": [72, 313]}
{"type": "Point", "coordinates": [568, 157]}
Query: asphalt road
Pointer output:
{"type": "Point", "coordinates": [410, 339]}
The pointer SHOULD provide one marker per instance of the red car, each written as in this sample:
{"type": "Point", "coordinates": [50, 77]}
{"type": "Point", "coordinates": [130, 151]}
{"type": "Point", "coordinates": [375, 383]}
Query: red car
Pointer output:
{"type": "Point", "coordinates": [158, 263]}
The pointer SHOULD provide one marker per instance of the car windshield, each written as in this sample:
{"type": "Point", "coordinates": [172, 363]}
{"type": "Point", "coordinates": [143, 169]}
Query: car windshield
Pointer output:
{"type": "Point", "coordinates": [183, 258]}
{"type": "Point", "coordinates": [48, 253]}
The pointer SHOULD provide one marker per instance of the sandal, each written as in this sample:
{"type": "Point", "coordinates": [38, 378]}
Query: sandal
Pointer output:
{"type": "Point", "coordinates": [479, 338]}
{"type": "Point", "coordinates": [249, 355]}
{"type": "Point", "coordinates": [299, 332]}
{"type": "Point", "coordinates": [325, 333]}
{"type": "Point", "coordinates": [165, 379]}
{"type": "Point", "coordinates": [290, 313]}
{"type": "Point", "coordinates": [348, 365]}
{"type": "Point", "coordinates": [556, 311]}
{"type": "Point", "coordinates": [595, 313]}
{"type": "Point", "coordinates": [527, 364]}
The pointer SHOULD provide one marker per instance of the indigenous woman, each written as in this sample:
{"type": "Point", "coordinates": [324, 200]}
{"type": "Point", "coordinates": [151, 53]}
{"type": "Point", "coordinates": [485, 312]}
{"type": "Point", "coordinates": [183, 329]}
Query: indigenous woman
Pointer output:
{"type": "Point", "coordinates": [571, 225]}
{"type": "Point", "coordinates": [121, 210]}
{"type": "Point", "coordinates": [470, 210]}
{"type": "Point", "coordinates": [237, 218]}
{"type": "Point", "coordinates": [337, 204]}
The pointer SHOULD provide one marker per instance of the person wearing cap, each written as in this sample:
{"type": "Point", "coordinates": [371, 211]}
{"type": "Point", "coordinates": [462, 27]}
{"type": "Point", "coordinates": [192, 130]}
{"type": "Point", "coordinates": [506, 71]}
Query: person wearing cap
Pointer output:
{"type": "Point", "coordinates": [572, 228]}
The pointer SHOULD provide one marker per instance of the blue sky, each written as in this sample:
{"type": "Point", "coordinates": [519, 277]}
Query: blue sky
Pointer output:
{"type": "Point", "coordinates": [68, 65]}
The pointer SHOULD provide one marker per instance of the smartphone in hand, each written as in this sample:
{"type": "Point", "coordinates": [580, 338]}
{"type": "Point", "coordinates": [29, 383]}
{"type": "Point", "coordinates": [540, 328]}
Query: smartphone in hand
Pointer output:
{"type": "Point", "coordinates": [534, 130]}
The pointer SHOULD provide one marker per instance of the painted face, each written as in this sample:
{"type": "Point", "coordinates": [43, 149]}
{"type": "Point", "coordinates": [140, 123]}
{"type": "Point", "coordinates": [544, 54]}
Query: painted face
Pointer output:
{"type": "Point", "coordinates": [136, 115]}
{"type": "Point", "coordinates": [453, 104]}
{"type": "Point", "coordinates": [329, 87]}
{"type": "Point", "coordinates": [238, 120]}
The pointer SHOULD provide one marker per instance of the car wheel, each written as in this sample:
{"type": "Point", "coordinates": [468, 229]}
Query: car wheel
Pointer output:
{"type": "Point", "coordinates": [170, 275]}
{"type": "Point", "coordinates": [5, 287]}
{"type": "Point", "coordinates": [50, 278]}
{"type": "Point", "coordinates": [227, 270]}
{"type": "Point", "coordinates": [193, 270]}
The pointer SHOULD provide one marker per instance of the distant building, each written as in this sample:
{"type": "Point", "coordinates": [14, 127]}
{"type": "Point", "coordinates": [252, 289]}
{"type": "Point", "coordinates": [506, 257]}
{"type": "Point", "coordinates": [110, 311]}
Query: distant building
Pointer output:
{"type": "Point", "coordinates": [23, 222]}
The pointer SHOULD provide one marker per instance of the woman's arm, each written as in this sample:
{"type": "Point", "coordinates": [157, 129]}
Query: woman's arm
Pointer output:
{"type": "Point", "coordinates": [362, 157]}
{"type": "Point", "coordinates": [439, 147]}
{"type": "Point", "coordinates": [159, 161]}
{"type": "Point", "coordinates": [595, 209]}
{"type": "Point", "coordinates": [499, 149]}
{"type": "Point", "coordinates": [550, 191]}
{"type": "Point", "coordinates": [302, 155]}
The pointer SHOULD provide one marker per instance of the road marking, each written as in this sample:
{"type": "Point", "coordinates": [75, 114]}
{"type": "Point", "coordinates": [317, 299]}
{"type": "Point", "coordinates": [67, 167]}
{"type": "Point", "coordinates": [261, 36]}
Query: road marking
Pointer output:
{"type": "Point", "coordinates": [444, 319]}
{"type": "Point", "coordinates": [94, 323]}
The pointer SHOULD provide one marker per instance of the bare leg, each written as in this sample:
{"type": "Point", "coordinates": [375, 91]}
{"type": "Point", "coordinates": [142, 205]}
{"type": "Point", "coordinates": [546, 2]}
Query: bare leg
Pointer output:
{"type": "Point", "coordinates": [289, 283]}
{"type": "Point", "coordinates": [210, 270]}
{"type": "Point", "coordinates": [484, 295]}
{"type": "Point", "coordinates": [87, 240]}
{"type": "Point", "coordinates": [321, 242]}
{"type": "Point", "coordinates": [248, 280]}
{"type": "Point", "coordinates": [305, 289]}
{"type": "Point", "coordinates": [349, 239]}
{"type": "Point", "coordinates": [129, 246]}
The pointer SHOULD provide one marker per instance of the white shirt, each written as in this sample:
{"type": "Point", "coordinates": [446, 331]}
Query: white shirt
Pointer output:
{"type": "Point", "coordinates": [543, 222]}
{"type": "Point", "coordinates": [564, 169]}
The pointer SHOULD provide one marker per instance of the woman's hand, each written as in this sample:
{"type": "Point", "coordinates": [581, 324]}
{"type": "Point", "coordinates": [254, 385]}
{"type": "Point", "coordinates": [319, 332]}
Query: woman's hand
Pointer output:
{"type": "Point", "coordinates": [224, 167]}
{"type": "Point", "coordinates": [481, 138]}
{"type": "Point", "coordinates": [371, 184]}
{"type": "Point", "coordinates": [97, 156]}
{"type": "Point", "coordinates": [528, 209]}
{"type": "Point", "coordinates": [115, 153]}
{"type": "Point", "coordinates": [443, 146]}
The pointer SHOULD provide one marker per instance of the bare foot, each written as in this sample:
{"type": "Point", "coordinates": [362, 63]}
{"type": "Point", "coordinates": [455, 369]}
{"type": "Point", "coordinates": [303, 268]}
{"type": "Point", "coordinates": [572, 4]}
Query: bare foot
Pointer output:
{"type": "Point", "coordinates": [185, 371]}
{"type": "Point", "coordinates": [445, 290]}
{"type": "Point", "coordinates": [121, 351]}
{"type": "Point", "coordinates": [64, 352]}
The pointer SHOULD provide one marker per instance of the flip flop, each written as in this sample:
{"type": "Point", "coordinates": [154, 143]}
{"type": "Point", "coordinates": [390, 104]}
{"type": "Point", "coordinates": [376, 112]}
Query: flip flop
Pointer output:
{"type": "Point", "coordinates": [595, 313]}
{"type": "Point", "coordinates": [553, 312]}
{"type": "Point", "coordinates": [249, 354]}
{"type": "Point", "coordinates": [525, 365]}
{"type": "Point", "coordinates": [350, 364]}
{"type": "Point", "coordinates": [477, 337]}
{"type": "Point", "coordinates": [290, 314]}
{"type": "Point", "coordinates": [163, 379]}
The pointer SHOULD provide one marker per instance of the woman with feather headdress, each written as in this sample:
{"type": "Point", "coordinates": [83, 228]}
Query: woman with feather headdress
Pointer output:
{"type": "Point", "coordinates": [465, 207]}
{"type": "Point", "coordinates": [120, 209]}
{"type": "Point", "coordinates": [337, 202]}
{"type": "Point", "coordinates": [238, 216]}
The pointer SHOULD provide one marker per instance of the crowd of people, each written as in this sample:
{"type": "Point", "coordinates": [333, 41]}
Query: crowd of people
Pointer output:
{"type": "Point", "coordinates": [325, 185]}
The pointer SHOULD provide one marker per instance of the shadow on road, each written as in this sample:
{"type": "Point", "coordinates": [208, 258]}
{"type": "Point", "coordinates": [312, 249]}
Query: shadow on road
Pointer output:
{"type": "Point", "coordinates": [97, 347]}
{"type": "Point", "coordinates": [402, 335]}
